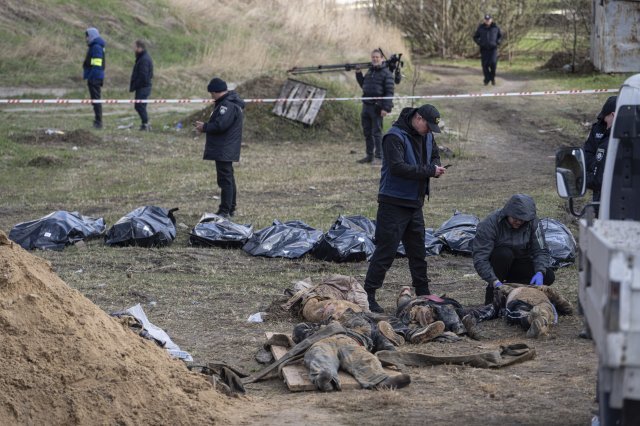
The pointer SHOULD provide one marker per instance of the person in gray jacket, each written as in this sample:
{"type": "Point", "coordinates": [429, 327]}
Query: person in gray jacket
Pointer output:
{"type": "Point", "coordinates": [509, 246]}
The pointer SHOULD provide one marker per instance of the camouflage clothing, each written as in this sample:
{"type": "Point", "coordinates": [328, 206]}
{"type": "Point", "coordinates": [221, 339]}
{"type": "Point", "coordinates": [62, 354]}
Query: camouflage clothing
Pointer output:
{"type": "Point", "coordinates": [535, 309]}
{"type": "Point", "coordinates": [327, 356]}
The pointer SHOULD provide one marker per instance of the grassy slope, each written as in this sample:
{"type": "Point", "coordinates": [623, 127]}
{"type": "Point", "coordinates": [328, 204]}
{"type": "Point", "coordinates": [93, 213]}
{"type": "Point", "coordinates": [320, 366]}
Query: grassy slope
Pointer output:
{"type": "Point", "coordinates": [42, 41]}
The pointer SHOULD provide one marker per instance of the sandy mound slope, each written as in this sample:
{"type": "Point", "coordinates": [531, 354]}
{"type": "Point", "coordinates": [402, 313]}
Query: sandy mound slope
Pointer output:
{"type": "Point", "coordinates": [65, 361]}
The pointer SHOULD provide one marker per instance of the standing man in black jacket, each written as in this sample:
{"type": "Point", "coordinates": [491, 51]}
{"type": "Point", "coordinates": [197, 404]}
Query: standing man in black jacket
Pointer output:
{"type": "Point", "coordinates": [377, 82]}
{"type": "Point", "coordinates": [224, 137]}
{"type": "Point", "coordinates": [595, 147]}
{"type": "Point", "coordinates": [410, 158]}
{"type": "Point", "coordinates": [488, 36]}
{"type": "Point", "coordinates": [141, 81]}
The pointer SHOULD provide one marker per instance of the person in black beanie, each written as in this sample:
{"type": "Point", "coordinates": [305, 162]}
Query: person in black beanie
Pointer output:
{"type": "Point", "coordinates": [224, 137]}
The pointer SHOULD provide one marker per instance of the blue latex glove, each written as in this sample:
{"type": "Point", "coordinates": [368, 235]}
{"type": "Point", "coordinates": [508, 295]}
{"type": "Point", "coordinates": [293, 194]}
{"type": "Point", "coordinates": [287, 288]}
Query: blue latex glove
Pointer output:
{"type": "Point", "coordinates": [497, 284]}
{"type": "Point", "coordinates": [537, 279]}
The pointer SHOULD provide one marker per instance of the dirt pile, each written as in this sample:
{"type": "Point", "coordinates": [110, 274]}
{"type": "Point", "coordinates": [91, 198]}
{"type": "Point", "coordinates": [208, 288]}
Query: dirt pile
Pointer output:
{"type": "Point", "coordinates": [335, 121]}
{"type": "Point", "coordinates": [65, 361]}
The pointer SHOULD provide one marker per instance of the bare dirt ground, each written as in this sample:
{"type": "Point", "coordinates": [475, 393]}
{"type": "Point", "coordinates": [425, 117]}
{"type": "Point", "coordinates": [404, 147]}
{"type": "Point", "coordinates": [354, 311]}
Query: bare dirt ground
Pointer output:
{"type": "Point", "coordinates": [203, 296]}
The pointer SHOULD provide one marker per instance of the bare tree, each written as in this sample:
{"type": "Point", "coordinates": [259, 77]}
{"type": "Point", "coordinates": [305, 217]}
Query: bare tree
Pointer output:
{"type": "Point", "coordinates": [445, 27]}
{"type": "Point", "coordinates": [577, 21]}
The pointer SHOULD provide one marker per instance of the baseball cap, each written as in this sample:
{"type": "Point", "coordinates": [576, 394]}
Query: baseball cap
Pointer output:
{"type": "Point", "coordinates": [487, 17]}
{"type": "Point", "coordinates": [431, 116]}
{"type": "Point", "coordinates": [608, 107]}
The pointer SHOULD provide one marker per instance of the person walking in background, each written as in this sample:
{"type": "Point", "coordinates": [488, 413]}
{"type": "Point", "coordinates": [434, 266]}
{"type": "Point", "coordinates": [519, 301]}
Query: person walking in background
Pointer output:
{"type": "Point", "coordinates": [488, 36]}
{"type": "Point", "coordinates": [141, 77]}
{"type": "Point", "coordinates": [94, 66]}
{"type": "Point", "coordinates": [411, 157]}
{"type": "Point", "coordinates": [377, 82]}
{"type": "Point", "coordinates": [224, 138]}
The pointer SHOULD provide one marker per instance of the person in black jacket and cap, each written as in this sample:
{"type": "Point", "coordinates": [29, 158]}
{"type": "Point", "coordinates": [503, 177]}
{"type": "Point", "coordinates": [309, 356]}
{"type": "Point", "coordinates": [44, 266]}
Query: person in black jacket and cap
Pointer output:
{"type": "Point", "coordinates": [377, 82]}
{"type": "Point", "coordinates": [224, 138]}
{"type": "Point", "coordinates": [488, 36]}
{"type": "Point", "coordinates": [595, 147]}
{"type": "Point", "coordinates": [410, 158]}
{"type": "Point", "coordinates": [510, 246]}
{"type": "Point", "coordinates": [141, 77]}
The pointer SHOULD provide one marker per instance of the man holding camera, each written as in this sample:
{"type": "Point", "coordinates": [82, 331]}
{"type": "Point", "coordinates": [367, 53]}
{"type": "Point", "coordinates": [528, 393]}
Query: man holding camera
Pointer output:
{"type": "Point", "coordinates": [377, 82]}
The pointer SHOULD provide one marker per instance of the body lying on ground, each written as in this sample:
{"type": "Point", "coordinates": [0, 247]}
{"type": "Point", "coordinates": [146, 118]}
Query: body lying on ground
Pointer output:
{"type": "Point", "coordinates": [351, 351]}
{"type": "Point", "coordinates": [534, 308]}
{"type": "Point", "coordinates": [422, 318]}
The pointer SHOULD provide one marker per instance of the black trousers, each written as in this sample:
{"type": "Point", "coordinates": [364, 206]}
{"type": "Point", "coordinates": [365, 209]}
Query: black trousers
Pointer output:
{"type": "Point", "coordinates": [141, 109]}
{"type": "Point", "coordinates": [227, 184]}
{"type": "Point", "coordinates": [510, 269]}
{"type": "Point", "coordinates": [489, 60]}
{"type": "Point", "coordinates": [395, 224]}
{"type": "Point", "coordinates": [372, 129]}
{"type": "Point", "coordinates": [95, 89]}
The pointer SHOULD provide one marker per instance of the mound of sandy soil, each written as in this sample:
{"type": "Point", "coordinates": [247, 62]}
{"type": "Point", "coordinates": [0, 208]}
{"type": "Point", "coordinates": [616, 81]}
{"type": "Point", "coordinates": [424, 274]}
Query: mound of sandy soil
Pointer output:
{"type": "Point", "coordinates": [65, 361]}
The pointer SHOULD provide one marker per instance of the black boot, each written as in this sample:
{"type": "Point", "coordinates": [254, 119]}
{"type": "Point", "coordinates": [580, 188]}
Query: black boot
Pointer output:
{"type": "Point", "coordinates": [488, 295]}
{"type": "Point", "coordinates": [373, 305]}
{"type": "Point", "coordinates": [422, 291]}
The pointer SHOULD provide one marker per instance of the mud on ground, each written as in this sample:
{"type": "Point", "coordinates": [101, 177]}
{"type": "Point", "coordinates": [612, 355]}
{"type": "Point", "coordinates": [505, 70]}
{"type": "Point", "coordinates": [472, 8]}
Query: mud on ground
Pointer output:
{"type": "Point", "coordinates": [203, 297]}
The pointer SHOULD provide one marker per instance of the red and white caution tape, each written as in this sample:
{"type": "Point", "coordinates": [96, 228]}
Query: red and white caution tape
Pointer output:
{"type": "Point", "coordinates": [275, 100]}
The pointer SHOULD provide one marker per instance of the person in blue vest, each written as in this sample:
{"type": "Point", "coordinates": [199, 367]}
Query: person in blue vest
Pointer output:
{"type": "Point", "coordinates": [93, 66]}
{"type": "Point", "coordinates": [410, 158]}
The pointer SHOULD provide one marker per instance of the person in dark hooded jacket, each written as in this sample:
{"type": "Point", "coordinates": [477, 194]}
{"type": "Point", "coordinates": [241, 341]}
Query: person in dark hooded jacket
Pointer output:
{"type": "Point", "coordinates": [410, 158]}
{"type": "Point", "coordinates": [224, 138]}
{"type": "Point", "coordinates": [377, 82]}
{"type": "Point", "coordinates": [141, 77]}
{"type": "Point", "coordinates": [93, 67]}
{"type": "Point", "coordinates": [595, 147]}
{"type": "Point", "coordinates": [488, 36]}
{"type": "Point", "coordinates": [510, 246]}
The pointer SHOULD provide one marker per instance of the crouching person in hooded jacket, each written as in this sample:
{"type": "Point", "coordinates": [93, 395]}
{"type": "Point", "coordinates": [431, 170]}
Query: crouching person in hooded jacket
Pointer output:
{"type": "Point", "coordinates": [509, 246]}
{"type": "Point", "coordinates": [224, 138]}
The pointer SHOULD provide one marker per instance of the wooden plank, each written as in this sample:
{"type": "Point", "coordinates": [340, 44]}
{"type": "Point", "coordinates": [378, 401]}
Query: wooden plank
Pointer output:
{"type": "Point", "coordinates": [296, 376]}
{"type": "Point", "coordinates": [303, 111]}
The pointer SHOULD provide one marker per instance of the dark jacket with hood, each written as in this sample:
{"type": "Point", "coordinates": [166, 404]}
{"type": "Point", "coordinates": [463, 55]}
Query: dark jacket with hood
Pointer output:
{"type": "Point", "coordinates": [526, 242]}
{"type": "Point", "coordinates": [95, 60]}
{"type": "Point", "coordinates": [377, 82]}
{"type": "Point", "coordinates": [224, 129]}
{"type": "Point", "coordinates": [595, 153]}
{"type": "Point", "coordinates": [406, 170]}
{"type": "Point", "coordinates": [142, 73]}
{"type": "Point", "coordinates": [488, 38]}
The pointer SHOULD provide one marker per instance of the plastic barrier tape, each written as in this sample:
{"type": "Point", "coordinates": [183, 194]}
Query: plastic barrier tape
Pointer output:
{"type": "Point", "coordinates": [274, 100]}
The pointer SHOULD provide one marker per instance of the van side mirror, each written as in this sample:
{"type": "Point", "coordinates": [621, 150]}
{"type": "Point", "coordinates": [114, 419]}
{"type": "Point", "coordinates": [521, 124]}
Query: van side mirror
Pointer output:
{"type": "Point", "coordinates": [571, 172]}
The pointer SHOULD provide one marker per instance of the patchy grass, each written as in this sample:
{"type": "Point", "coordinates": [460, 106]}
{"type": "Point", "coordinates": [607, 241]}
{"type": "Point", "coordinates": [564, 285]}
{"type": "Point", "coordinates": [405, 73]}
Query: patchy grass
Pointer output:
{"type": "Point", "coordinates": [204, 296]}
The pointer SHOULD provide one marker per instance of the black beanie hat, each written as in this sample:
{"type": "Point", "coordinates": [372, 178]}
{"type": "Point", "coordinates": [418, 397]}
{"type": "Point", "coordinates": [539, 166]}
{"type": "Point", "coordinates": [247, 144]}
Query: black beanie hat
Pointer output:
{"type": "Point", "coordinates": [217, 85]}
